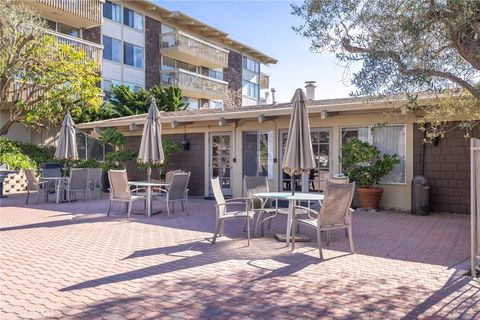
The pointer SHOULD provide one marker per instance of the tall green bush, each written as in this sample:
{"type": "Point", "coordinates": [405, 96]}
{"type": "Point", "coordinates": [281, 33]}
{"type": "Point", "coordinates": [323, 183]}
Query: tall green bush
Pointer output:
{"type": "Point", "coordinates": [20, 156]}
{"type": "Point", "coordinates": [363, 163]}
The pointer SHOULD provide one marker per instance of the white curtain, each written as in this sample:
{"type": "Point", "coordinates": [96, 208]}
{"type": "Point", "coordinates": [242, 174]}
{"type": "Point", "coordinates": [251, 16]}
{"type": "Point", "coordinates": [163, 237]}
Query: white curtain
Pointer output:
{"type": "Point", "coordinates": [391, 140]}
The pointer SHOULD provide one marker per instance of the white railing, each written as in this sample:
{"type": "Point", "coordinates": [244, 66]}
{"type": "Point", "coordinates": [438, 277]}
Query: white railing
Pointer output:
{"type": "Point", "coordinates": [193, 83]}
{"type": "Point", "coordinates": [475, 206]}
{"type": "Point", "coordinates": [194, 47]}
{"type": "Point", "coordinates": [92, 50]}
{"type": "Point", "coordinates": [87, 9]}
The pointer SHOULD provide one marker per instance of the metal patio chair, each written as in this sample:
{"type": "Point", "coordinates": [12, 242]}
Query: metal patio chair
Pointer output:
{"type": "Point", "coordinates": [77, 182]}
{"type": "Point", "coordinates": [256, 184]}
{"type": "Point", "coordinates": [177, 191]}
{"type": "Point", "coordinates": [335, 213]}
{"type": "Point", "coordinates": [41, 187]}
{"type": "Point", "coordinates": [223, 214]}
{"type": "Point", "coordinates": [120, 191]}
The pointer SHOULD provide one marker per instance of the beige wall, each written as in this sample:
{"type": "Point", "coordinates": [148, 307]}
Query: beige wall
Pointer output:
{"type": "Point", "coordinates": [396, 196]}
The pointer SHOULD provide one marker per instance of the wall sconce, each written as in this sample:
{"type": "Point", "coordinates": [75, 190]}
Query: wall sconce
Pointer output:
{"type": "Point", "coordinates": [185, 142]}
{"type": "Point", "coordinates": [324, 114]}
{"type": "Point", "coordinates": [98, 130]}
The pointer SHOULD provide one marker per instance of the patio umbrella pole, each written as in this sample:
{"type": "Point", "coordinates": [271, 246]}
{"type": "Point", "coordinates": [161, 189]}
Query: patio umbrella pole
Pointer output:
{"type": "Point", "coordinates": [149, 172]}
{"type": "Point", "coordinates": [293, 183]}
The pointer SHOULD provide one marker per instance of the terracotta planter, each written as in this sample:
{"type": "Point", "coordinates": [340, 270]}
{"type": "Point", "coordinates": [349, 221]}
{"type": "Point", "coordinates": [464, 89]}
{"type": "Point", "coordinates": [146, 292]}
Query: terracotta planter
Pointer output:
{"type": "Point", "coordinates": [370, 197]}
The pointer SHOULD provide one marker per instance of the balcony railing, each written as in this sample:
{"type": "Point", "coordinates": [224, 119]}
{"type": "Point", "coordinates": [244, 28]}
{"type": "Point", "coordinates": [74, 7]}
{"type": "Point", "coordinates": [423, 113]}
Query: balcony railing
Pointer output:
{"type": "Point", "coordinates": [87, 9]}
{"type": "Point", "coordinates": [195, 85]}
{"type": "Point", "coordinates": [92, 50]}
{"type": "Point", "coordinates": [184, 47]}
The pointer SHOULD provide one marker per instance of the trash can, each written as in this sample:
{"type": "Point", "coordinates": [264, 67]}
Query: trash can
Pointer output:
{"type": "Point", "coordinates": [420, 190]}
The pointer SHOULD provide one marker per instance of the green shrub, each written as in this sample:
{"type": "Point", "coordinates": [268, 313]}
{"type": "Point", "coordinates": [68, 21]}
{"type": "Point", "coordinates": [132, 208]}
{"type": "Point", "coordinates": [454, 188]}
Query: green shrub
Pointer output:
{"type": "Point", "coordinates": [21, 156]}
{"type": "Point", "coordinates": [363, 163]}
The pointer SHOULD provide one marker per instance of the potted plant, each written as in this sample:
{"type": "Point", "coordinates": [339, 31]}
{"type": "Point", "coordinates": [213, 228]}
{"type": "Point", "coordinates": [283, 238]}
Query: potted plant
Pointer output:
{"type": "Point", "coordinates": [363, 163]}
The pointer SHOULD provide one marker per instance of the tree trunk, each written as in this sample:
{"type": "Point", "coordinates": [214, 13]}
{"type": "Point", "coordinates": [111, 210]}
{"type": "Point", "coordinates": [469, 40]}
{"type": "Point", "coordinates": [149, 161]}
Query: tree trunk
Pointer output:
{"type": "Point", "coordinates": [4, 129]}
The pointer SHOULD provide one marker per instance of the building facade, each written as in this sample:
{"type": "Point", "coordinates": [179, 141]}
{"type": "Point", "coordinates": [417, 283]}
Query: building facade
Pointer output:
{"type": "Point", "coordinates": [234, 143]}
{"type": "Point", "coordinates": [146, 45]}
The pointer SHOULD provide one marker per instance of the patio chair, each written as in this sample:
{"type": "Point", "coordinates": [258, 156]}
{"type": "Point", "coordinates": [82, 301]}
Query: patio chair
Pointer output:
{"type": "Point", "coordinates": [223, 214]}
{"type": "Point", "coordinates": [177, 191]}
{"type": "Point", "coordinates": [50, 171]}
{"type": "Point", "coordinates": [41, 187]}
{"type": "Point", "coordinates": [120, 191]}
{"type": "Point", "coordinates": [256, 184]}
{"type": "Point", "coordinates": [95, 180]}
{"type": "Point", "coordinates": [337, 180]}
{"type": "Point", "coordinates": [335, 213]}
{"type": "Point", "coordinates": [77, 182]}
{"type": "Point", "coordinates": [168, 174]}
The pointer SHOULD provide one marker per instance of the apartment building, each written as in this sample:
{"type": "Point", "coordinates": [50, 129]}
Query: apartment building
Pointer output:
{"type": "Point", "coordinates": [145, 45]}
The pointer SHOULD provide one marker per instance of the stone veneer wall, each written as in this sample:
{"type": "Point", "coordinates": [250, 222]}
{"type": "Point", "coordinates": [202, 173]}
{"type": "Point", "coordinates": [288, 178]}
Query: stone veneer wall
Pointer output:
{"type": "Point", "coordinates": [152, 52]}
{"type": "Point", "coordinates": [93, 34]}
{"type": "Point", "coordinates": [15, 183]}
{"type": "Point", "coordinates": [192, 160]}
{"type": "Point", "coordinates": [447, 168]}
{"type": "Point", "coordinates": [233, 75]}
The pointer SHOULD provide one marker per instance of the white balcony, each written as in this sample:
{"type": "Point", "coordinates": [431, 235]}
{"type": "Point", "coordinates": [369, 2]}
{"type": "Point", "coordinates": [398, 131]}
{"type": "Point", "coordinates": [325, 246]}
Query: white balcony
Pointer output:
{"type": "Point", "coordinates": [93, 50]}
{"type": "Point", "coordinates": [78, 13]}
{"type": "Point", "coordinates": [195, 85]}
{"type": "Point", "coordinates": [181, 46]}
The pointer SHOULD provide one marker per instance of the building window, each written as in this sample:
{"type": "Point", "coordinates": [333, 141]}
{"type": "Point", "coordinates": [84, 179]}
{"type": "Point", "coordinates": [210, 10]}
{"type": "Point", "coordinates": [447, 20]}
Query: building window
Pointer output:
{"type": "Point", "coordinates": [215, 74]}
{"type": "Point", "coordinates": [112, 11]}
{"type": "Point", "coordinates": [133, 87]}
{"type": "Point", "coordinates": [388, 139]}
{"type": "Point", "coordinates": [251, 89]}
{"type": "Point", "coordinates": [251, 65]}
{"type": "Point", "coordinates": [132, 55]}
{"type": "Point", "coordinates": [191, 103]}
{"type": "Point", "coordinates": [132, 19]}
{"type": "Point", "coordinates": [258, 154]}
{"type": "Point", "coordinates": [63, 28]}
{"type": "Point", "coordinates": [216, 104]}
{"type": "Point", "coordinates": [112, 49]}
{"type": "Point", "coordinates": [107, 88]}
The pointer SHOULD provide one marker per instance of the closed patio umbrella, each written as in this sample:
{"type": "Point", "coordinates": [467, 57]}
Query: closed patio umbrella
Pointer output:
{"type": "Point", "coordinates": [67, 142]}
{"type": "Point", "coordinates": [298, 157]}
{"type": "Point", "coordinates": [151, 150]}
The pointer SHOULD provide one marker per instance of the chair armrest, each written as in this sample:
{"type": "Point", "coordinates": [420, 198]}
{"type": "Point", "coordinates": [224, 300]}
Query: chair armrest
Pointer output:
{"type": "Point", "coordinates": [237, 199]}
{"type": "Point", "coordinates": [159, 189]}
{"type": "Point", "coordinates": [309, 211]}
{"type": "Point", "coordinates": [229, 203]}
{"type": "Point", "coordinates": [137, 189]}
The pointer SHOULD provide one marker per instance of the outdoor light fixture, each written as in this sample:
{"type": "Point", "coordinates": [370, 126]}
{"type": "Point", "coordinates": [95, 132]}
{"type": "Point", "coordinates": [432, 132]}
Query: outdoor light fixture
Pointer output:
{"type": "Point", "coordinates": [174, 124]}
{"type": "Point", "coordinates": [185, 142]}
{"type": "Point", "coordinates": [324, 114]}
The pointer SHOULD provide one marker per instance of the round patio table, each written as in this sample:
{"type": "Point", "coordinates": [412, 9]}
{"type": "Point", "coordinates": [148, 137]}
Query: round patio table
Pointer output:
{"type": "Point", "coordinates": [292, 201]}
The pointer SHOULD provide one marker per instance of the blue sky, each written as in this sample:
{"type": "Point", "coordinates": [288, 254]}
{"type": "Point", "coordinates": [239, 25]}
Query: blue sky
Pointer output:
{"type": "Point", "coordinates": [266, 26]}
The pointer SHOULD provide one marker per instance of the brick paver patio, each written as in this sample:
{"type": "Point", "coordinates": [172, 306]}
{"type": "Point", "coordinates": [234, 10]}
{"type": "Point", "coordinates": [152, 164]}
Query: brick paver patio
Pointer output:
{"type": "Point", "coordinates": [71, 261]}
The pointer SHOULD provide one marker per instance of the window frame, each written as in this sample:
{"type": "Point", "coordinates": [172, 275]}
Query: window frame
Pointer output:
{"type": "Point", "coordinates": [134, 14]}
{"type": "Point", "coordinates": [121, 49]}
{"type": "Point", "coordinates": [133, 57]}
{"type": "Point", "coordinates": [113, 4]}
{"type": "Point", "coordinates": [370, 140]}
{"type": "Point", "coordinates": [248, 93]}
{"type": "Point", "coordinates": [270, 152]}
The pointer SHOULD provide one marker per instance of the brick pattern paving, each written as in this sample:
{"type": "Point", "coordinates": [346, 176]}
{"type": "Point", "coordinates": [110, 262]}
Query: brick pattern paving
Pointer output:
{"type": "Point", "coordinates": [70, 261]}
